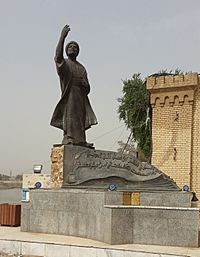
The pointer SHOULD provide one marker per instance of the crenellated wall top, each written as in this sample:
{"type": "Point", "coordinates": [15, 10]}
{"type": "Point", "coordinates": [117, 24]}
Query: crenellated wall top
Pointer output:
{"type": "Point", "coordinates": [172, 81]}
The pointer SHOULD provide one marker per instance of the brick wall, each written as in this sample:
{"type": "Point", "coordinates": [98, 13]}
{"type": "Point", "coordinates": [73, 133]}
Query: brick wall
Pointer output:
{"type": "Point", "coordinates": [176, 127]}
{"type": "Point", "coordinates": [195, 171]}
{"type": "Point", "coordinates": [57, 154]}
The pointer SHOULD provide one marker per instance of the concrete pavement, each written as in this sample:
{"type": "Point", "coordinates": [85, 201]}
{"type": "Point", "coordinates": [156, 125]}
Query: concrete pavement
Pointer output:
{"type": "Point", "coordinates": [12, 240]}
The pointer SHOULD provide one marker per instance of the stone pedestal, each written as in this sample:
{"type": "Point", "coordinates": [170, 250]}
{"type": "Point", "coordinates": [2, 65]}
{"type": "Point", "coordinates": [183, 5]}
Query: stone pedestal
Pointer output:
{"type": "Point", "coordinates": [81, 167]}
{"type": "Point", "coordinates": [83, 206]}
{"type": "Point", "coordinates": [101, 215]}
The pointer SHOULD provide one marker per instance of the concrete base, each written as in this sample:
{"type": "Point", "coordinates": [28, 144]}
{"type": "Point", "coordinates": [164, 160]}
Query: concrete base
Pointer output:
{"type": "Point", "coordinates": [170, 226]}
{"type": "Point", "coordinates": [17, 243]}
{"type": "Point", "coordinates": [101, 216]}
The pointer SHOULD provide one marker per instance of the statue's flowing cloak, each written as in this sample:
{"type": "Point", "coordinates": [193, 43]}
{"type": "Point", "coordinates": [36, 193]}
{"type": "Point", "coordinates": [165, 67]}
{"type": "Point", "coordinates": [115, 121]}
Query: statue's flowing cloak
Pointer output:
{"type": "Point", "coordinates": [61, 114]}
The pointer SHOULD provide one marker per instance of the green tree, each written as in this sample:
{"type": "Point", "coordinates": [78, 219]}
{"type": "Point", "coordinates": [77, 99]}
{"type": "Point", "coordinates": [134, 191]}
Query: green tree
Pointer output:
{"type": "Point", "coordinates": [135, 111]}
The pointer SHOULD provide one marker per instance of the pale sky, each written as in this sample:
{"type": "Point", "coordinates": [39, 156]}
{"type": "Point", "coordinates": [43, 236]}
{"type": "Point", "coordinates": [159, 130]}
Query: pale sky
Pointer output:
{"type": "Point", "coordinates": [117, 39]}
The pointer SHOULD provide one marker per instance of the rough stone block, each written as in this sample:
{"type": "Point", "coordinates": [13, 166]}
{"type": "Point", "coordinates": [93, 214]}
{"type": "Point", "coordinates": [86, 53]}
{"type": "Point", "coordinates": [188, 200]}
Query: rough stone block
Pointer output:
{"type": "Point", "coordinates": [149, 229]}
{"type": "Point", "coordinates": [113, 198]}
{"type": "Point", "coordinates": [173, 199]}
{"type": "Point", "coordinates": [25, 217]}
{"type": "Point", "coordinates": [160, 226]}
{"type": "Point", "coordinates": [122, 226]}
{"type": "Point", "coordinates": [44, 221]}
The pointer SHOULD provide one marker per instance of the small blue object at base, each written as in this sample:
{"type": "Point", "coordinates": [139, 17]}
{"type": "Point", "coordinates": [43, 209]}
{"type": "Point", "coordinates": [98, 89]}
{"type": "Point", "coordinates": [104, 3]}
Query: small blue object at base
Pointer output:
{"type": "Point", "coordinates": [38, 185]}
{"type": "Point", "coordinates": [186, 188]}
{"type": "Point", "coordinates": [112, 187]}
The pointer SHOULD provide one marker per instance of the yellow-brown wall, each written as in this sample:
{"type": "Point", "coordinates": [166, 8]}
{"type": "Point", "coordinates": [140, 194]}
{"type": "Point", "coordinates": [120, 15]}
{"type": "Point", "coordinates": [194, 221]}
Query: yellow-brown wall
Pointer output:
{"type": "Point", "coordinates": [57, 155]}
{"type": "Point", "coordinates": [175, 104]}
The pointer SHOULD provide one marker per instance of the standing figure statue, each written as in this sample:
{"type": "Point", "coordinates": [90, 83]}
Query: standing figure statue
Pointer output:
{"type": "Point", "coordinates": [73, 114]}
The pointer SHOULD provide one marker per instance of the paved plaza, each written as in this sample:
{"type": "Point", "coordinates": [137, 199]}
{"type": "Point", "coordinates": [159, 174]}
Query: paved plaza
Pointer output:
{"type": "Point", "coordinates": [12, 239]}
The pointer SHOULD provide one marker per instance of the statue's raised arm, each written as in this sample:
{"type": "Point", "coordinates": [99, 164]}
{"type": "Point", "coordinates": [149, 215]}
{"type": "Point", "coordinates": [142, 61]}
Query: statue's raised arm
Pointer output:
{"type": "Point", "coordinates": [59, 49]}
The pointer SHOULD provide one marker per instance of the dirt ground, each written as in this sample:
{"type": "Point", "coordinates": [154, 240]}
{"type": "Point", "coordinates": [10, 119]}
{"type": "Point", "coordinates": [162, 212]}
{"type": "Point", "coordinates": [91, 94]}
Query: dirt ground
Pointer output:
{"type": "Point", "coordinates": [10, 184]}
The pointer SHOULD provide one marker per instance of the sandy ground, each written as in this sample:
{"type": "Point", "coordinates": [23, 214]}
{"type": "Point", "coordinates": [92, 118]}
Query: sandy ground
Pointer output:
{"type": "Point", "coordinates": [10, 184]}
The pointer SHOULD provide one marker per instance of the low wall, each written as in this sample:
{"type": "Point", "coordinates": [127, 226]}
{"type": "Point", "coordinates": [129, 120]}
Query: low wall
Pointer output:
{"type": "Point", "coordinates": [70, 212]}
{"type": "Point", "coordinates": [168, 199]}
{"type": "Point", "coordinates": [154, 225]}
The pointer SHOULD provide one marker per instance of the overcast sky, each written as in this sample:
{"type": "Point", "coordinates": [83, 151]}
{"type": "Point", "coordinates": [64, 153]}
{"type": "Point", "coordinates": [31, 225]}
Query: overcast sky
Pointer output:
{"type": "Point", "coordinates": [117, 39]}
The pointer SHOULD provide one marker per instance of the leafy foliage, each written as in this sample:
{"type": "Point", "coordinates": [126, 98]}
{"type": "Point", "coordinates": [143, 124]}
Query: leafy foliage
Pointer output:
{"type": "Point", "coordinates": [135, 111]}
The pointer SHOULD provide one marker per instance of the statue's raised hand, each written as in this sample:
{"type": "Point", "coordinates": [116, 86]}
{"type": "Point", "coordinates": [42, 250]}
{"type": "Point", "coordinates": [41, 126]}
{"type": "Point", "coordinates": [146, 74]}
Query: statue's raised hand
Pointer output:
{"type": "Point", "coordinates": [65, 30]}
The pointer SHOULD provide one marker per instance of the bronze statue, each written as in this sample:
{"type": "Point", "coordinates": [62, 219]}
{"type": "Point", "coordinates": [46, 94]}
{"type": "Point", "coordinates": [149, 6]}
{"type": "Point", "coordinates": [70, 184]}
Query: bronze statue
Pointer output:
{"type": "Point", "coordinates": [73, 114]}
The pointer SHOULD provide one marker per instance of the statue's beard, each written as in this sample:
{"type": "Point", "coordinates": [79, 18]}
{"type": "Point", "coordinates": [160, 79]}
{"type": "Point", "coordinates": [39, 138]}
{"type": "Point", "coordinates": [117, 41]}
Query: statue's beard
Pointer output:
{"type": "Point", "coordinates": [72, 54]}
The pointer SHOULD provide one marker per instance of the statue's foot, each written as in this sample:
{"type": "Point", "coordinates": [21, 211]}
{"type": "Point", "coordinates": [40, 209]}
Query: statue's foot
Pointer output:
{"type": "Point", "coordinates": [70, 141]}
{"type": "Point", "coordinates": [88, 145]}
{"type": "Point", "coordinates": [67, 141]}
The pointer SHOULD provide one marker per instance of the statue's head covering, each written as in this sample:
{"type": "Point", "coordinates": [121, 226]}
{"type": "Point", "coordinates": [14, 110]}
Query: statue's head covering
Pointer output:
{"type": "Point", "coordinates": [72, 42]}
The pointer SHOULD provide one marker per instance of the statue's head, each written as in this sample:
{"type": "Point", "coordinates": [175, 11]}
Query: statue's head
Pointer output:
{"type": "Point", "coordinates": [72, 49]}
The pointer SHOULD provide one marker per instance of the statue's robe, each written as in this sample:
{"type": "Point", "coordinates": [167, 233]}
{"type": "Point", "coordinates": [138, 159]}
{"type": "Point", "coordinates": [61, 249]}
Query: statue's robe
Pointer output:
{"type": "Point", "coordinates": [73, 113]}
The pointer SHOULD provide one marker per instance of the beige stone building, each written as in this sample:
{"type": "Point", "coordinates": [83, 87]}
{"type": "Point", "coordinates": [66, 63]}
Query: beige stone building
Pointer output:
{"type": "Point", "coordinates": [175, 102]}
